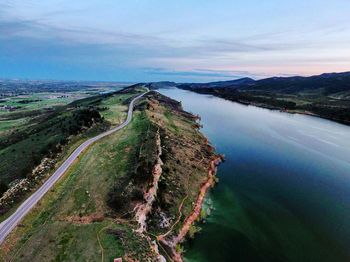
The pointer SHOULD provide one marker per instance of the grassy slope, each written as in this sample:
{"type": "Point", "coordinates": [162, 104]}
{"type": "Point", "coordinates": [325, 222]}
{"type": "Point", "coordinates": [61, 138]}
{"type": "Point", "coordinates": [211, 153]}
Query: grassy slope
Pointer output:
{"type": "Point", "coordinates": [74, 223]}
{"type": "Point", "coordinates": [27, 149]}
{"type": "Point", "coordinates": [36, 135]}
{"type": "Point", "coordinates": [6, 125]}
{"type": "Point", "coordinates": [96, 171]}
{"type": "Point", "coordinates": [115, 113]}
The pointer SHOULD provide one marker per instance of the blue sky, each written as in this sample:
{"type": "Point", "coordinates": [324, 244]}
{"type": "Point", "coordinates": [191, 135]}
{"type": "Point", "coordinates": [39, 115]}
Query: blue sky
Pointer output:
{"type": "Point", "coordinates": [182, 40]}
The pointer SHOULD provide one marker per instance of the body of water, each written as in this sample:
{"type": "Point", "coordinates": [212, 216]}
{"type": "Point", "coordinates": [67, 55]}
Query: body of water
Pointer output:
{"type": "Point", "coordinates": [284, 190]}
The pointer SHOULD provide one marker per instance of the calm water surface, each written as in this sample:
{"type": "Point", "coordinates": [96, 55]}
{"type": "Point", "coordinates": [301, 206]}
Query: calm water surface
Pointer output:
{"type": "Point", "coordinates": [284, 190]}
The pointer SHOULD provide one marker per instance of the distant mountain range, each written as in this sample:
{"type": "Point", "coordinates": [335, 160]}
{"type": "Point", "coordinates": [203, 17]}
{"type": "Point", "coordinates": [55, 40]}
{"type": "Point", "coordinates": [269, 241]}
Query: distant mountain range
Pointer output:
{"type": "Point", "coordinates": [221, 84]}
{"type": "Point", "coordinates": [326, 83]}
{"type": "Point", "coordinates": [326, 95]}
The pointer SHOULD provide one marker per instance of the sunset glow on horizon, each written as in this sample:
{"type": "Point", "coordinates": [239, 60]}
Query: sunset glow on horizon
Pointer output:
{"type": "Point", "coordinates": [152, 40]}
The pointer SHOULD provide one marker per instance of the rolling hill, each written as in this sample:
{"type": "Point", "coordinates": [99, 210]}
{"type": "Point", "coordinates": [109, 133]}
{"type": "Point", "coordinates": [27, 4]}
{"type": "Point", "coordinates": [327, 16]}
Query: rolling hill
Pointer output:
{"type": "Point", "coordinates": [326, 95]}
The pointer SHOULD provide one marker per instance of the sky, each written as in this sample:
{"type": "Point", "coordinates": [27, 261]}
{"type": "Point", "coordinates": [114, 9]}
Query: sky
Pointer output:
{"type": "Point", "coordinates": [182, 40]}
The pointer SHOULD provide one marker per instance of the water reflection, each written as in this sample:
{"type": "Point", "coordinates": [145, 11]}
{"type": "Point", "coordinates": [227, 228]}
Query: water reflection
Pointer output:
{"type": "Point", "coordinates": [284, 191]}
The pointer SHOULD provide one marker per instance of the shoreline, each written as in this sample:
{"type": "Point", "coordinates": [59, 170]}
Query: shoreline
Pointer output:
{"type": "Point", "coordinates": [273, 108]}
{"type": "Point", "coordinates": [194, 215]}
{"type": "Point", "coordinates": [290, 111]}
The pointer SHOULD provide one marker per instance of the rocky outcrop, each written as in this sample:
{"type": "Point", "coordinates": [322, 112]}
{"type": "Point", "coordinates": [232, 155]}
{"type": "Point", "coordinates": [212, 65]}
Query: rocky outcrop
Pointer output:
{"type": "Point", "coordinates": [143, 209]}
{"type": "Point", "coordinates": [20, 187]}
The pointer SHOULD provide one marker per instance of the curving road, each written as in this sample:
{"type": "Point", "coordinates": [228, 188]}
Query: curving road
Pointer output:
{"type": "Point", "coordinates": [10, 223]}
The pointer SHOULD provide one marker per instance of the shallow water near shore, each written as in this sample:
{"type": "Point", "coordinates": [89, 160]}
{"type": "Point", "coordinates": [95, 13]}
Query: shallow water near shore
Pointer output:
{"type": "Point", "coordinates": [284, 190]}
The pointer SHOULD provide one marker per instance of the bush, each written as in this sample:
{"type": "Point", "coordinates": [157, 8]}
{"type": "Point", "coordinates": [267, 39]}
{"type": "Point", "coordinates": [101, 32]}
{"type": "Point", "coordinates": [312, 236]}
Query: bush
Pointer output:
{"type": "Point", "coordinates": [3, 188]}
{"type": "Point", "coordinates": [116, 200]}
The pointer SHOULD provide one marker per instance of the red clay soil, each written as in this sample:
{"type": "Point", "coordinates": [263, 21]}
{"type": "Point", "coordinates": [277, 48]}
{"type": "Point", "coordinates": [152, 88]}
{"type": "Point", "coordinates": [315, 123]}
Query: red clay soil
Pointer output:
{"type": "Point", "coordinates": [196, 211]}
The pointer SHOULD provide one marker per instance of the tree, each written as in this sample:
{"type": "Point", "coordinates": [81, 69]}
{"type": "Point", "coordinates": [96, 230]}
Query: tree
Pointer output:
{"type": "Point", "coordinates": [3, 187]}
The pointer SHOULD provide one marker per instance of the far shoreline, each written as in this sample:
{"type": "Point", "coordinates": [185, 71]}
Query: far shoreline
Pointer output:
{"type": "Point", "coordinates": [272, 108]}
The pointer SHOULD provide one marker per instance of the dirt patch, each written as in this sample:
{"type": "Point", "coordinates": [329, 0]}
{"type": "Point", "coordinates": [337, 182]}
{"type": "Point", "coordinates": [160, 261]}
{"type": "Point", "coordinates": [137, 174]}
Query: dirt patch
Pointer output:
{"type": "Point", "coordinates": [83, 219]}
{"type": "Point", "coordinates": [143, 209]}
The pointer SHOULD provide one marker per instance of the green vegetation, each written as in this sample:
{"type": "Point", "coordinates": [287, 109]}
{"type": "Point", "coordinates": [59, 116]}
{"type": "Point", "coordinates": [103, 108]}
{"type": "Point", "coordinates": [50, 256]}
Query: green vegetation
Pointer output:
{"type": "Point", "coordinates": [180, 249]}
{"type": "Point", "coordinates": [193, 230]}
{"type": "Point", "coordinates": [129, 188]}
{"type": "Point", "coordinates": [6, 125]}
{"type": "Point", "coordinates": [29, 145]}
{"type": "Point", "coordinates": [89, 215]}
{"type": "Point", "coordinates": [30, 137]}
{"type": "Point", "coordinates": [113, 108]}
{"type": "Point", "coordinates": [74, 219]}
{"type": "Point", "coordinates": [37, 102]}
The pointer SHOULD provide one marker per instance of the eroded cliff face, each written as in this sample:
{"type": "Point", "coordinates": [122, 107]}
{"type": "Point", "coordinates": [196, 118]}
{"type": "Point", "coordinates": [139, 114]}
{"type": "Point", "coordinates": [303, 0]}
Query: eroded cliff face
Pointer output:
{"type": "Point", "coordinates": [172, 242]}
{"type": "Point", "coordinates": [175, 167]}
{"type": "Point", "coordinates": [149, 196]}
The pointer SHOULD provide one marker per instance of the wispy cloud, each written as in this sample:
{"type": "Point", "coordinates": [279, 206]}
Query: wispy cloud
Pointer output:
{"type": "Point", "coordinates": [47, 37]}
{"type": "Point", "coordinates": [203, 74]}
{"type": "Point", "coordinates": [193, 73]}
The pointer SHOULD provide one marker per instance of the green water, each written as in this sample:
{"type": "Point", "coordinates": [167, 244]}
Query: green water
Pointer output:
{"type": "Point", "coordinates": [284, 190]}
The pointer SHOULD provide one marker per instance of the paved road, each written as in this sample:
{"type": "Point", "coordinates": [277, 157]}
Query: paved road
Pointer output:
{"type": "Point", "coordinates": [9, 224]}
